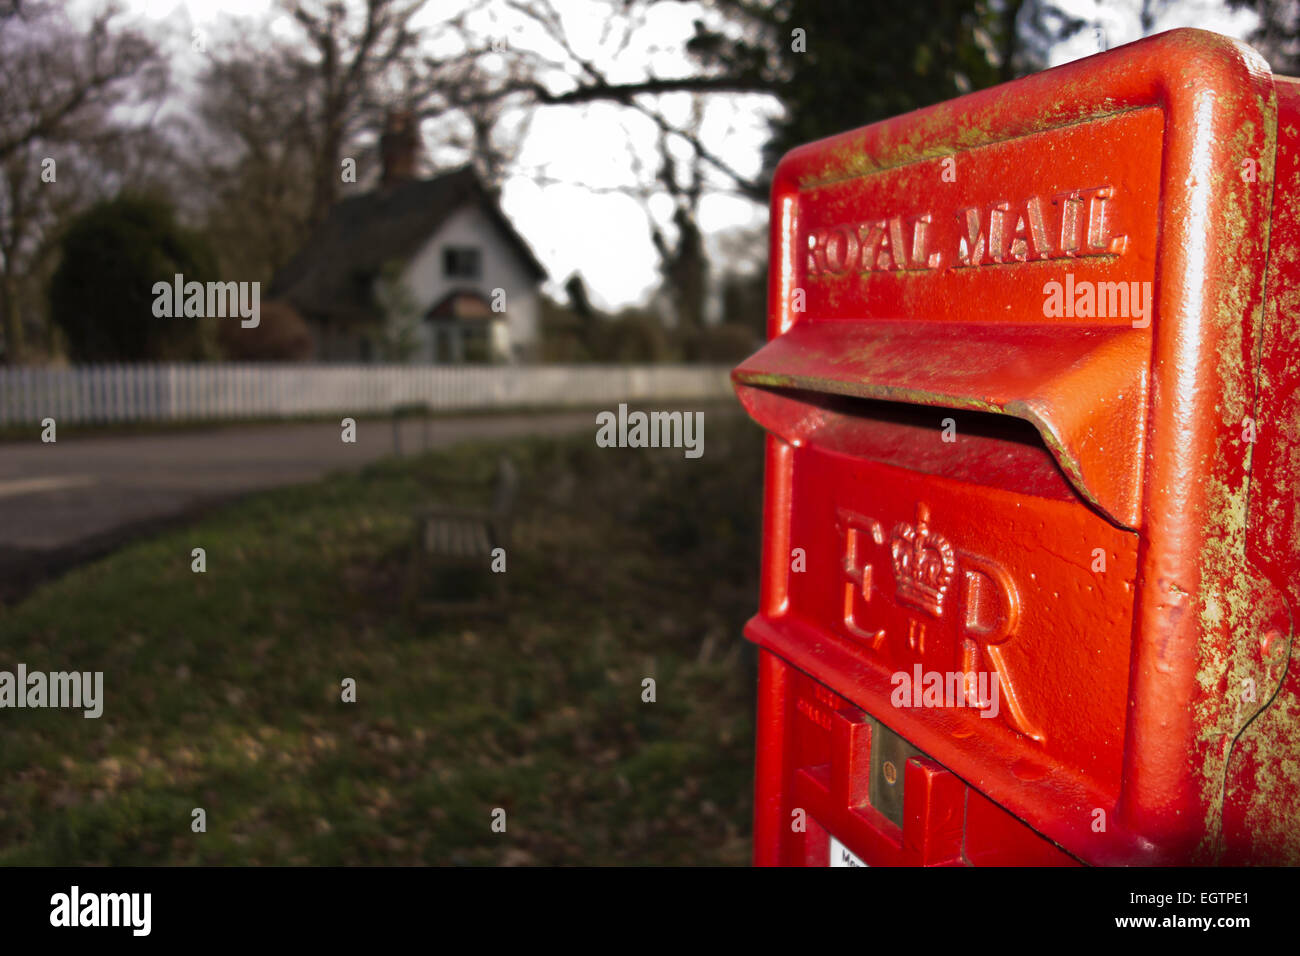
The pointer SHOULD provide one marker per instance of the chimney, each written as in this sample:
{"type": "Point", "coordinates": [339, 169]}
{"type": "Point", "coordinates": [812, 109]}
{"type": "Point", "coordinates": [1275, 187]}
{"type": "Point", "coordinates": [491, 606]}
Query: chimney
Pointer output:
{"type": "Point", "coordinates": [398, 147]}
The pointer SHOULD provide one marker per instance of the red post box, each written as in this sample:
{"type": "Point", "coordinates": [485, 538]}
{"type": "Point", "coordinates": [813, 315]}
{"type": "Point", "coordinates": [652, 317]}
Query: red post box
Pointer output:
{"type": "Point", "coordinates": [1031, 550]}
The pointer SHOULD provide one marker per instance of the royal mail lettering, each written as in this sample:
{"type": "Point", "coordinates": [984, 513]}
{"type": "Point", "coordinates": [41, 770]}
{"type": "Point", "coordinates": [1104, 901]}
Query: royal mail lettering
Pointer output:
{"type": "Point", "coordinates": [1072, 224]}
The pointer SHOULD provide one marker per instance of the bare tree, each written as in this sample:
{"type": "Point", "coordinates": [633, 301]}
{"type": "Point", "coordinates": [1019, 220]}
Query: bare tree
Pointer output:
{"type": "Point", "coordinates": [256, 164]}
{"type": "Point", "coordinates": [1278, 34]}
{"type": "Point", "coordinates": [685, 265]}
{"type": "Point", "coordinates": [57, 79]}
{"type": "Point", "coordinates": [64, 90]}
{"type": "Point", "coordinates": [360, 59]}
{"type": "Point", "coordinates": [532, 78]}
{"type": "Point", "coordinates": [557, 74]}
{"type": "Point", "coordinates": [283, 118]}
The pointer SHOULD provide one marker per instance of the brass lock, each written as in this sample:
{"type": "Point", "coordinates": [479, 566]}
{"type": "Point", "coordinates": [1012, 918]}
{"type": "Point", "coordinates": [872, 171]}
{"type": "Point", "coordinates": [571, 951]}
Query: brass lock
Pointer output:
{"type": "Point", "coordinates": [889, 756]}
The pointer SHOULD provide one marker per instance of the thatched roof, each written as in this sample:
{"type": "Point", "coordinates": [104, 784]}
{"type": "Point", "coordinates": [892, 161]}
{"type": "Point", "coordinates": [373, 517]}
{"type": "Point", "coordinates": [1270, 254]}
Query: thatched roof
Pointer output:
{"type": "Point", "coordinates": [332, 275]}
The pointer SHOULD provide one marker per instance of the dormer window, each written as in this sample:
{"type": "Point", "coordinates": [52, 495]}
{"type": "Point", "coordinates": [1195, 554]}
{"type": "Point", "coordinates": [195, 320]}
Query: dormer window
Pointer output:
{"type": "Point", "coordinates": [461, 262]}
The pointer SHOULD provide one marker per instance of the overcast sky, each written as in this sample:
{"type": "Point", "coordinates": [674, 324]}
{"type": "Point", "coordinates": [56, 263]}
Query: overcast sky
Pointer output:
{"type": "Point", "coordinates": [564, 197]}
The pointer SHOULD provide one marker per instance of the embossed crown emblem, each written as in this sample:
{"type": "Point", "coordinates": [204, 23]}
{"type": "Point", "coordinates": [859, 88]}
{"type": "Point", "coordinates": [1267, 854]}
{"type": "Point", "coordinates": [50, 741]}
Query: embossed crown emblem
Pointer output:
{"type": "Point", "coordinates": [924, 563]}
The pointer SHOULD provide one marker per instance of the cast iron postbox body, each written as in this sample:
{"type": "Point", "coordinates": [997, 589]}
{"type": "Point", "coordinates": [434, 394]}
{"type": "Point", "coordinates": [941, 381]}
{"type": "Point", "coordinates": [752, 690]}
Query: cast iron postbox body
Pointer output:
{"type": "Point", "coordinates": [1031, 551]}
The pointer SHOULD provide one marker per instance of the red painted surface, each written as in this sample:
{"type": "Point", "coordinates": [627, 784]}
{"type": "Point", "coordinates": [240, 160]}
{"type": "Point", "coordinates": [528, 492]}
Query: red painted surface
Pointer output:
{"type": "Point", "coordinates": [1014, 342]}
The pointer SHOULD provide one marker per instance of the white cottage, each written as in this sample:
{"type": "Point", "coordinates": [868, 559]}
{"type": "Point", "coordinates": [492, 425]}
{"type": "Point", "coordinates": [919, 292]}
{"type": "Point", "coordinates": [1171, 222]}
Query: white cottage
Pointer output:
{"type": "Point", "coordinates": [419, 270]}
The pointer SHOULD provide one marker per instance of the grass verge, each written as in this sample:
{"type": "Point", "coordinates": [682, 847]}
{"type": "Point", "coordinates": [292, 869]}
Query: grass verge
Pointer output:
{"type": "Point", "coordinates": [222, 689]}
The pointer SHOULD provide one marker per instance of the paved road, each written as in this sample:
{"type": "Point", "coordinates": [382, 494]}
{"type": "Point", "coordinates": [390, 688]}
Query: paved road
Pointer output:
{"type": "Point", "coordinates": [54, 497]}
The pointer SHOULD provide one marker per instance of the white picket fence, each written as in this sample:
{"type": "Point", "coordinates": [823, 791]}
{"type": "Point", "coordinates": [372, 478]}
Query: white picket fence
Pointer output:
{"type": "Point", "coordinates": [206, 392]}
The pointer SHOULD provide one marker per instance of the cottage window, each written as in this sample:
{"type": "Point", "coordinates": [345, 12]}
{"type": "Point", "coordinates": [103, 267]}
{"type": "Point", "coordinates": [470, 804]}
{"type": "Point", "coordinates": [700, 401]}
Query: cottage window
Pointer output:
{"type": "Point", "coordinates": [461, 262]}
